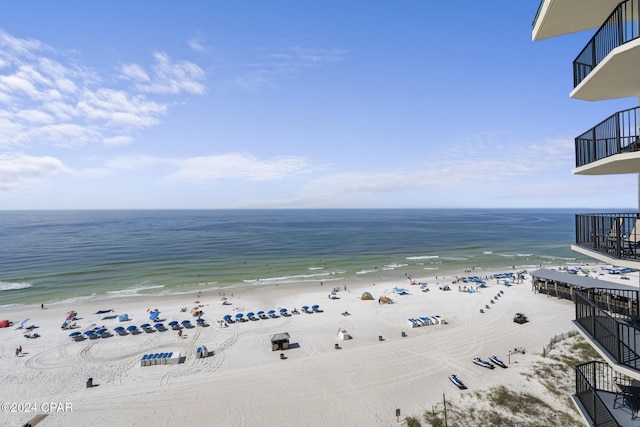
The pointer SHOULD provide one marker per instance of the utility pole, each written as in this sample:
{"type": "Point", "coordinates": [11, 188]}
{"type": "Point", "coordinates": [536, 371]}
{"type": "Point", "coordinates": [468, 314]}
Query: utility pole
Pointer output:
{"type": "Point", "coordinates": [444, 401]}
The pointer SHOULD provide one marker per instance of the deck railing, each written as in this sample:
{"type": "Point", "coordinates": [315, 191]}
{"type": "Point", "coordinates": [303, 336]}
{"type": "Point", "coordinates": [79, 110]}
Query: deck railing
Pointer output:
{"type": "Point", "coordinates": [616, 235]}
{"type": "Point", "coordinates": [591, 378]}
{"type": "Point", "coordinates": [610, 318]}
{"type": "Point", "coordinates": [620, 27]}
{"type": "Point", "coordinates": [618, 133]}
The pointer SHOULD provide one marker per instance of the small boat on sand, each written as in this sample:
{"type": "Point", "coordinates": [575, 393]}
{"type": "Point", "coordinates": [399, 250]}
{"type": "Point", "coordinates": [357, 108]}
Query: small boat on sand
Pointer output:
{"type": "Point", "coordinates": [457, 382]}
{"type": "Point", "coordinates": [483, 363]}
{"type": "Point", "coordinates": [497, 361]}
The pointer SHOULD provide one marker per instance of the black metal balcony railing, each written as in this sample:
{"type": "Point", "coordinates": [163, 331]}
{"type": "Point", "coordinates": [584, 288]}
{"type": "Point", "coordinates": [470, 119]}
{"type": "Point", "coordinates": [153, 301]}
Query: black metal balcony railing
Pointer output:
{"type": "Point", "coordinates": [594, 380]}
{"type": "Point", "coordinates": [616, 235]}
{"type": "Point", "coordinates": [620, 27]}
{"type": "Point", "coordinates": [610, 318]}
{"type": "Point", "coordinates": [618, 133]}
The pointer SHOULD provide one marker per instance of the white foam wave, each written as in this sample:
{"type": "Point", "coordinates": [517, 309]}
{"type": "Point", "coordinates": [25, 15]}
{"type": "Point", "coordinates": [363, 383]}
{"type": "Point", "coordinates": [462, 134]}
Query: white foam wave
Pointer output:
{"type": "Point", "coordinates": [487, 252]}
{"type": "Point", "coordinates": [316, 268]}
{"type": "Point", "coordinates": [454, 258]}
{"type": "Point", "coordinates": [294, 278]}
{"type": "Point", "coordinates": [430, 268]}
{"type": "Point", "coordinates": [366, 271]}
{"type": "Point", "coordinates": [423, 257]}
{"type": "Point", "coordinates": [11, 286]}
{"type": "Point", "coordinates": [392, 266]}
{"type": "Point", "coordinates": [524, 255]}
{"type": "Point", "coordinates": [133, 291]}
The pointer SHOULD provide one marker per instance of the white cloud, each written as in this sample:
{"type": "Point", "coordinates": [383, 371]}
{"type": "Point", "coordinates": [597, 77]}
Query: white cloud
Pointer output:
{"type": "Point", "coordinates": [49, 99]}
{"type": "Point", "coordinates": [18, 170]}
{"type": "Point", "coordinates": [238, 166]}
{"type": "Point", "coordinates": [167, 77]}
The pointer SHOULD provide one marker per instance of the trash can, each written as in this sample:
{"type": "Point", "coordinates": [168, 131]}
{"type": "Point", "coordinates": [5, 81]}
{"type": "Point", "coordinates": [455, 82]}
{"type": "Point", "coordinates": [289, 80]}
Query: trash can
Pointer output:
{"type": "Point", "coordinates": [90, 383]}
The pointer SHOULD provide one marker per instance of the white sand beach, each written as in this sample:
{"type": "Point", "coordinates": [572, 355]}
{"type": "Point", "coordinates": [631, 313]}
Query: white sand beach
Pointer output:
{"type": "Point", "coordinates": [245, 383]}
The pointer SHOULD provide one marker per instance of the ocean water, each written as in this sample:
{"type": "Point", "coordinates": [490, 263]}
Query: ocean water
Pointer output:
{"type": "Point", "coordinates": [48, 256]}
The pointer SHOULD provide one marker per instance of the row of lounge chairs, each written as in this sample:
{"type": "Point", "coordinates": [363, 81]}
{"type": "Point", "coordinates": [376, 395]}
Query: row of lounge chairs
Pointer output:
{"type": "Point", "coordinates": [424, 321]}
{"type": "Point", "coordinates": [271, 314]}
{"type": "Point", "coordinates": [133, 330]}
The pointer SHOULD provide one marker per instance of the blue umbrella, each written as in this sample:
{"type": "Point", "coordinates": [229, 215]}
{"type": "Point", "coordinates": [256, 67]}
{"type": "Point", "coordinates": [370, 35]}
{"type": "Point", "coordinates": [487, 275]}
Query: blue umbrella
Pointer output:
{"type": "Point", "coordinates": [89, 333]}
{"type": "Point", "coordinates": [260, 313]}
{"type": "Point", "coordinates": [145, 326]}
{"type": "Point", "coordinates": [101, 331]}
{"type": "Point", "coordinates": [250, 314]}
{"type": "Point", "coordinates": [239, 315]}
{"type": "Point", "coordinates": [271, 312]}
{"type": "Point", "coordinates": [200, 321]}
{"type": "Point", "coordinates": [75, 334]}
{"type": "Point", "coordinates": [305, 307]}
{"type": "Point", "coordinates": [186, 322]}
{"type": "Point", "coordinates": [315, 307]}
{"type": "Point", "coordinates": [118, 329]}
{"type": "Point", "coordinates": [283, 310]}
{"type": "Point", "coordinates": [132, 328]}
{"type": "Point", "coordinates": [158, 326]}
{"type": "Point", "coordinates": [227, 317]}
{"type": "Point", "coordinates": [173, 323]}
{"type": "Point", "coordinates": [154, 315]}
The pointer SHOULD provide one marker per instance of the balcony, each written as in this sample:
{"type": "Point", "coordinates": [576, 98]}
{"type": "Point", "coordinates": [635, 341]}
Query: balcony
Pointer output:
{"type": "Point", "coordinates": [618, 135]}
{"type": "Point", "coordinates": [609, 319]}
{"type": "Point", "coordinates": [598, 399]}
{"type": "Point", "coordinates": [609, 237]}
{"type": "Point", "coordinates": [558, 17]}
{"type": "Point", "coordinates": [607, 66]}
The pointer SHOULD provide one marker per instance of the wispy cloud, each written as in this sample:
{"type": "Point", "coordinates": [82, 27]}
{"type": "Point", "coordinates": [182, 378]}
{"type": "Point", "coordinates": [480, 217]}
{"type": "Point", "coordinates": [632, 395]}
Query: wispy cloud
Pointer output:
{"type": "Point", "coordinates": [238, 166]}
{"type": "Point", "coordinates": [18, 170]}
{"type": "Point", "coordinates": [167, 77]}
{"type": "Point", "coordinates": [271, 65]}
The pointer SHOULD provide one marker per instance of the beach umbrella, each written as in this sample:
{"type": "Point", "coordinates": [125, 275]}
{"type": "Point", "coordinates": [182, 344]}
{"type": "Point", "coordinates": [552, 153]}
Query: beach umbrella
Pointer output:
{"type": "Point", "coordinates": [154, 315]}
{"type": "Point", "coordinates": [158, 326]}
{"type": "Point", "coordinates": [260, 313]}
{"type": "Point", "coordinates": [186, 322]}
{"type": "Point", "coordinates": [145, 325]}
{"type": "Point", "coordinates": [250, 314]}
{"type": "Point", "coordinates": [173, 323]}
{"type": "Point", "coordinates": [227, 317]}
{"type": "Point", "coordinates": [283, 310]}
{"type": "Point", "coordinates": [239, 316]}
{"type": "Point", "coordinates": [131, 328]}
{"type": "Point", "coordinates": [305, 307]}
{"type": "Point", "coordinates": [200, 320]}
{"type": "Point", "coordinates": [118, 328]}
{"type": "Point", "coordinates": [271, 312]}
{"type": "Point", "coordinates": [24, 321]}
{"type": "Point", "coordinates": [315, 307]}
{"type": "Point", "coordinates": [88, 333]}
{"type": "Point", "coordinates": [65, 325]}
{"type": "Point", "coordinates": [75, 334]}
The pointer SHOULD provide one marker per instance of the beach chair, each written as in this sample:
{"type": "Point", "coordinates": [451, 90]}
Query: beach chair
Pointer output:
{"type": "Point", "coordinates": [632, 241]}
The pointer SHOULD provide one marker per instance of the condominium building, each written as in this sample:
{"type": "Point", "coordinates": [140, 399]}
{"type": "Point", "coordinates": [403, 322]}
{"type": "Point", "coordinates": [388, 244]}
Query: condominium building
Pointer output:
{"type": "Point", "coordinates": [608, 67]}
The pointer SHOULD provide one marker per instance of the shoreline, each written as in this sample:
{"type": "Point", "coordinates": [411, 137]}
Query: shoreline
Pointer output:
{"type": "Point", "coordinates": [185, 289]}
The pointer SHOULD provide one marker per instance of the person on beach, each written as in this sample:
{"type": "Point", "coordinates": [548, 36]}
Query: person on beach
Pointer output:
{"type": "Point", "coordinates": [180, 333]}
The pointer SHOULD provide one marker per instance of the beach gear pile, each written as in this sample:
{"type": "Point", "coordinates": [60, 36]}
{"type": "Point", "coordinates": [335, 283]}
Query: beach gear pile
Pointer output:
{"type": "Point", "coordinates": [425, 321]}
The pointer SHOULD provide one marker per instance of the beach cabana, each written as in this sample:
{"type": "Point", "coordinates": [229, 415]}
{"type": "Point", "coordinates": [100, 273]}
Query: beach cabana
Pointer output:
{"type": "Point", "coordinates": [366, 296]}
{"type": "Point", "coordinates": [123, 317]}
{"type": "Point", "coordinates": [400, 291]}
{"type": "Point", "coordinates": [280, 341]}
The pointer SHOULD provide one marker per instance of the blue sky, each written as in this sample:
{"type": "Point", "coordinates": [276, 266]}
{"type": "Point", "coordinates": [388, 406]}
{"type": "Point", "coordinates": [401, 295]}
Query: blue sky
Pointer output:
{"type": "Point", "coordinates": [291, 104]}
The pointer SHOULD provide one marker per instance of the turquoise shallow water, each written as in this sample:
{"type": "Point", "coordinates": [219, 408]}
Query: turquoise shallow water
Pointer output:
{"type": "Point", "coordinates": [58, 255]}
